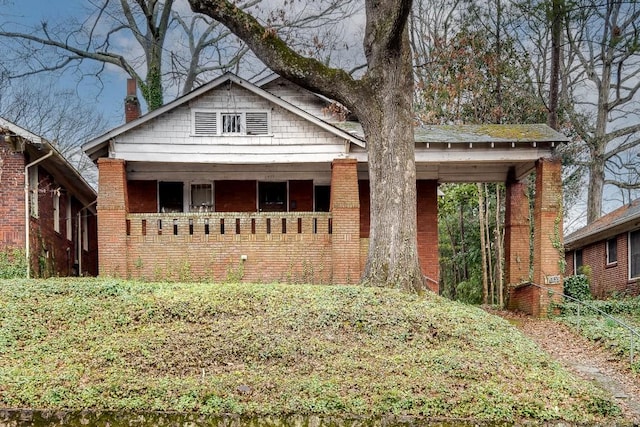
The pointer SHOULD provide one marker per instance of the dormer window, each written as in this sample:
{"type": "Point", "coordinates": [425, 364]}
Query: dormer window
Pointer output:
{"type": "Point", "coordinates": [213, 123]}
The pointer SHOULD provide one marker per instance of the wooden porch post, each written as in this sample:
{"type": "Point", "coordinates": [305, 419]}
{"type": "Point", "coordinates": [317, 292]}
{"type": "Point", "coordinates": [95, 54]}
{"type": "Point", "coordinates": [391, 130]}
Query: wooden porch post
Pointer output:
{"type": "Point", "coordinates": [345, 212]}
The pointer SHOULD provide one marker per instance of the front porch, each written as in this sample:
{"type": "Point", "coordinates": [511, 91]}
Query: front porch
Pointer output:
{"type": "Point", "coordinates": [139, 237]}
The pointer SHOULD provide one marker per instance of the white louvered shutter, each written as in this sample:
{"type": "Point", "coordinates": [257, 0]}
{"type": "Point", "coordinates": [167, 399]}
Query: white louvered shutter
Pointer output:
{"type": "Point", "coordinates": [257, 123]}
{"type": "Point", "coordinates": [205, 123]}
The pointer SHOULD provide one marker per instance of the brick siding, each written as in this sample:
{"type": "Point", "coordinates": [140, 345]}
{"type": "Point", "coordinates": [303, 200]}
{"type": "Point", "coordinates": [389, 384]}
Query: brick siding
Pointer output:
{"type": "Point", "coordinates": [607, 279]}
{"type": "Point", "coordinates": [427, 225]}
{"type": "Point", "coordinates": [143, 196]}
{"type": "Point", "coordinates": [547, 238]}
{"type": "Point", "coordinates": [235, 196]}
{"type": "Point", "coordinates": [517, 235]}
{"type": "Point", "coordinates": [301, 196]}
{"type": "Point", "coordinates": [51, 252]}
{"type": "Point", "coordinates": [12, 231]}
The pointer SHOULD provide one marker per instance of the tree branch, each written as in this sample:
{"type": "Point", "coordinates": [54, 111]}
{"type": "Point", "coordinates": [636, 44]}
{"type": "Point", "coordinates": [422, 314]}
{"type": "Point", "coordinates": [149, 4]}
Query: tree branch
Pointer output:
{"type": "Point", "coordinates": [273, 51]}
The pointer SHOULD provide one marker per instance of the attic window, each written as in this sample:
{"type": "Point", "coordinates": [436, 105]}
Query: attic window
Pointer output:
{"type": "Point", "coordinates": [211, 123]}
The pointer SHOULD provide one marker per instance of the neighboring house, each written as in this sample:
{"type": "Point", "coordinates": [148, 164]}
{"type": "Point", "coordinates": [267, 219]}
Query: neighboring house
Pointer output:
{"type": "Point", "coordinates": [47, 210]}
{"type": "Point", "coordinates": [269, 182]}
{"type": "Point", "coordinates": [610, 247]}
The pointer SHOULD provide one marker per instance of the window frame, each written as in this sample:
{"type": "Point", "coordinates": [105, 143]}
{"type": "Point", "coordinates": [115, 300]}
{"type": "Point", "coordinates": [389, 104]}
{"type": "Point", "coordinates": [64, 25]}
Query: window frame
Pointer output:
{"type": "Point", "coordinates": [219, 119]}
{"type": "Point", "coordinates": [56, 211]}
{"type": "Point", "coordinates": [34, 192]}
{"type": "Point", "coordinates": [210, 205]}
{"type": "Point", "coordinates": [69, 219]}
{"type": "Point", "coordinates": [630, 255]}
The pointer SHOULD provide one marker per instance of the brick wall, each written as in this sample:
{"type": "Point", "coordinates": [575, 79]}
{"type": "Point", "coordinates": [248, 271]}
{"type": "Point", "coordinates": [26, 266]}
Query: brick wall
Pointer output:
{"type": "Point", "coordinates": [143, 196]}
{"type": "Point", "coordinates": [345, 208]}
{"type": "Point", "coordinates": [301, 196]}
{"type": "Point", "coordinates": [517, 237]}
{"type": "Point", "coordinates": [52, 253]}
{"type": "Point", "coordinates": [547, 239]}
{"type": "Point", "coordinates": [427, 227]}
{"type": "Point", "coordinates": [112, 217]}
{"type": "Point", "coordinates": [524, 298]}
{"type": "Point", "coordinates": [607, 279]}
{"type": "Point", "coordinates": [235, 196]}
{"type": "Point", "coordinates": [302, 254]}
{"type": "Point", "coordinates": [12, 231]}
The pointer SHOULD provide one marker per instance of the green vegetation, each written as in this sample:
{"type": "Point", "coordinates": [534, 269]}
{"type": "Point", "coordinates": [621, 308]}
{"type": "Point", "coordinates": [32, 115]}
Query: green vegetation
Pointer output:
{"type": "Point", "coordinates": [13, 264]}
{"type": "Point", "coordinates": [598, 327]}
{"type": "Point", "coordinates": [577, 286]}
{"type": "Point", "coordinates": [274, 350]}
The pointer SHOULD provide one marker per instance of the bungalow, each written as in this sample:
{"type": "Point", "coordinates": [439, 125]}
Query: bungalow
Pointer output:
{"type": "Point", "coordinates": [269, 182]}
{"type": "Point", "coordinates": [610, 247]}
{"type": "Point", "coordinates": [47, 210]}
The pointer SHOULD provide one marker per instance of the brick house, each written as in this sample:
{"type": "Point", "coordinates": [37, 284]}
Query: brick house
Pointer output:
{"type": "Point", "coordinates": [39, 187]}
{"type": "Point", "coordinates": [269, 182]}
{"type": "Point", "coordinates": [610, 246]}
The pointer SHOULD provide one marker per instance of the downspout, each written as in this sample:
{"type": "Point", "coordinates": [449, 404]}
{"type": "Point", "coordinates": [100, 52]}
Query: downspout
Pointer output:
{"type": "Point", "coordinates": [79, 243]}
{"type": "Point", "coordinates": [26, 209]}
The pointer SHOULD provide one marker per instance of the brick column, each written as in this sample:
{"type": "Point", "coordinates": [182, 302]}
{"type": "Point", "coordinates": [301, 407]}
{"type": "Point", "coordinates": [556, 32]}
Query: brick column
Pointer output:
{"type": "Point", "coordinates": [547, 241]}
{"type": "Point", "coordinates": [516, 233]}
{"type": "Point", "coordinates": [345, 211]}
{"type": "Point", "coordinates": [427, 227]}
{"type": "Point", "coordinates": [112, 217]}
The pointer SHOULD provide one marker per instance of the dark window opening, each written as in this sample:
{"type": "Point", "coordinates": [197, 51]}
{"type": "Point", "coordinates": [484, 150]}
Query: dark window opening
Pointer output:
{"type": "Point", "coordinates": [577, 261]}
{"type": "Point", "coordinates": [170, 195]}
{"type": "Point", "coordinates": [634, 254]}
{"type": "Point", "coordinates": [206, 226]}
{"type": "Point", "coordinates": [221, 225]}
{"type": "Point", "coordinates": [322, 198]}
{"type": "Point", "coordinates": [190, 226]}
{"type": "Point", "coordinates": [284, 225]}
{"type": "Point", "coordinates": [237, 225]}
{"type": "Point", "coordinates": [175, 227]}
{"type": "Point", "coordinates": [612, 251]}
{"type": "Point", "coordinates": [272, 196]}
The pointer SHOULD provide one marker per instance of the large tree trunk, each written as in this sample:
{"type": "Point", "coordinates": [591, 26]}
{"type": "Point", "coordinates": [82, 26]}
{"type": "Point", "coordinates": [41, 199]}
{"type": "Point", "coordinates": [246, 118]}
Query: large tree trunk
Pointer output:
{"type": "Point", "coordinates": [388, 126]}
{"type": "Point", "coordinates": [383, 101]}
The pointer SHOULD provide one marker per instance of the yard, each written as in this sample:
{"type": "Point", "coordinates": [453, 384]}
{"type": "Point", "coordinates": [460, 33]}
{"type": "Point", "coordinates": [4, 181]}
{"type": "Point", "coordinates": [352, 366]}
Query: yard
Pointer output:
{"type": "Point", "coordinates": [258, 350]}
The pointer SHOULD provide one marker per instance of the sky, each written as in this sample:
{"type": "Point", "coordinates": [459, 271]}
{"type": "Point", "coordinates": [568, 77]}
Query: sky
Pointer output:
{"type": "Point", "coordinates": [108, 94]}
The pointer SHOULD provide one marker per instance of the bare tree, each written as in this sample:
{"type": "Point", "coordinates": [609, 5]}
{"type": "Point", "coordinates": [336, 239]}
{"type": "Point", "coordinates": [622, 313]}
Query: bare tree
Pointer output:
{"type": "Point", "coordinates": [57, 115]}
{"type": "Point", "coordinates": [382, 100]}
{"type": "Point", "coordinates": [604, 39]}
{"type": "Point", "coordinates": [158, 43]}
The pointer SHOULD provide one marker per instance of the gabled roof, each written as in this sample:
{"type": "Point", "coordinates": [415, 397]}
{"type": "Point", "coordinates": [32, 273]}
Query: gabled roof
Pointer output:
{"type": "Point", "coordinates": [63, 171]}
{"type": "Point", "coordinates": [99, 146]}
{"type": "Point", "coordinates": [625, 218]}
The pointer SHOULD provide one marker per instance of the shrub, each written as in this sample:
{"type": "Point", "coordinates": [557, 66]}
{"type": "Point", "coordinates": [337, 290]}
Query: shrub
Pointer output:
{"type": "Point", "coordinates": [577, 287]}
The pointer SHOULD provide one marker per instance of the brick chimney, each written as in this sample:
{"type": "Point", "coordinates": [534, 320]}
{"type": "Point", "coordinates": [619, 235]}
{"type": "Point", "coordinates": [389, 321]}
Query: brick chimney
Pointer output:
{"type": "Point", "coordinates": [131, 103]}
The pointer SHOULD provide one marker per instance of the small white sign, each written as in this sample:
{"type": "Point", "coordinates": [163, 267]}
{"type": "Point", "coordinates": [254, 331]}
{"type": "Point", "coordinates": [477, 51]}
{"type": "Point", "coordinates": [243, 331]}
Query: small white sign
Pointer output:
{"type": "Point", "coordinates": [552, 280]}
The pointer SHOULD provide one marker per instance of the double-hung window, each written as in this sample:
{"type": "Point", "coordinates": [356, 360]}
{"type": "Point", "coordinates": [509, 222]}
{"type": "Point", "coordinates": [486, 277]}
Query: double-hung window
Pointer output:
{"type": "Point", "coordinates": [212, 123]}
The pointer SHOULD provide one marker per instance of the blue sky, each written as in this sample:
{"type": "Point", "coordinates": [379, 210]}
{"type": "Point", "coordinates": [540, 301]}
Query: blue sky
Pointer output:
{"type": "Point", "coordinates": [21, 15]}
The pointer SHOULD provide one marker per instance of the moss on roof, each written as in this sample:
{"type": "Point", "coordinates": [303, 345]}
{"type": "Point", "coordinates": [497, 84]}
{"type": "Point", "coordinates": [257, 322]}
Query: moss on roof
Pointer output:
{"type": "Point", "coordinates": [475, 133]}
